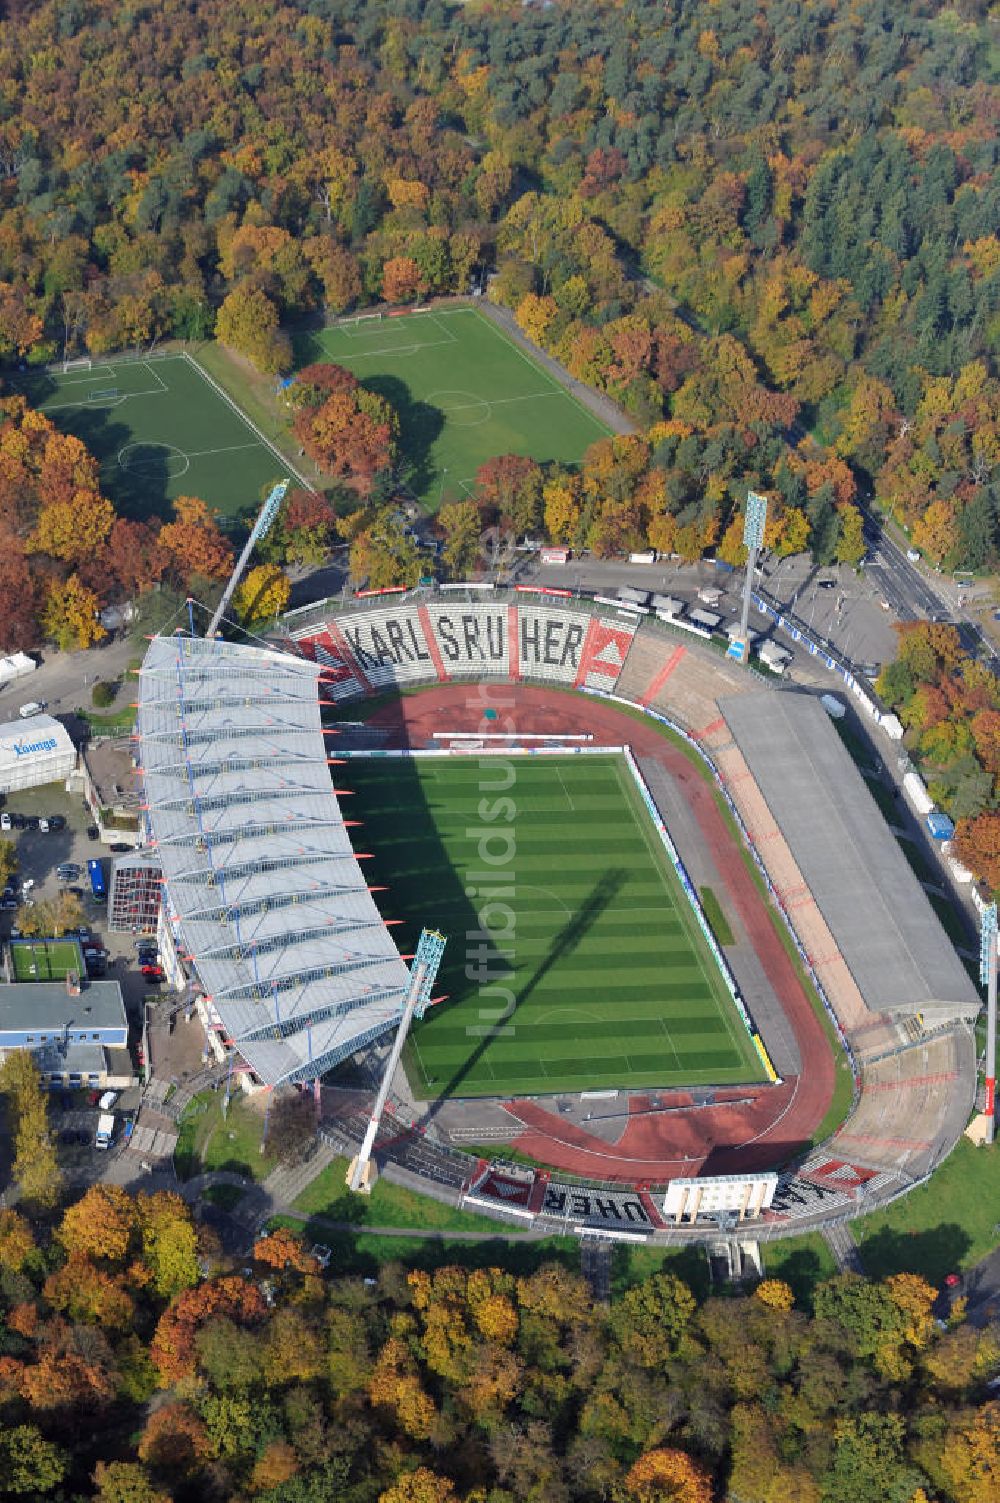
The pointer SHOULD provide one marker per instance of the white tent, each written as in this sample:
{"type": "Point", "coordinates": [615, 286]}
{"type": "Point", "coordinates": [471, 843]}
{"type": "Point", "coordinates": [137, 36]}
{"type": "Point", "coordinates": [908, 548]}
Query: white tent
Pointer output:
{"type": "Point", "coordinates": [34, 751]}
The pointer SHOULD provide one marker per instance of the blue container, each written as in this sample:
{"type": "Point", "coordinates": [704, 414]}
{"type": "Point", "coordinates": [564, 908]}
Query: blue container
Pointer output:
{"type": "Point", "coordinates": [940, 826]}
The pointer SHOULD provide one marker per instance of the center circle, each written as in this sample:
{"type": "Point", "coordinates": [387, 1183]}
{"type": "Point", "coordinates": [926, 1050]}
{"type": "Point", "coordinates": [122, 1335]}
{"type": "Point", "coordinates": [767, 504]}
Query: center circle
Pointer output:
{"type": "Point", "coordinates": [461, 408]}
{"type": "Point", "coordinates": [154, 459]}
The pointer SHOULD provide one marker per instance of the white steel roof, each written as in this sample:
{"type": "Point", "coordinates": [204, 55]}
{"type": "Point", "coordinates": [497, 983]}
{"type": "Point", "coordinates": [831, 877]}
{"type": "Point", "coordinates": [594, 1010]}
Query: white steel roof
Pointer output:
{"type": "Point", "coordinates": [271, 902]}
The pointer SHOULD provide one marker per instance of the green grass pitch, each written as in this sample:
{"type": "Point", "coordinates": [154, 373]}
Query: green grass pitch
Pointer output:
{"type": "Point", "coordinates": [464, 393]}
{"type": "Point", "coordinates": [612, 981]}
{"type": "Point", "coordinates": [159, 430]}
{"type": "Point", "coordinates": [45, 959]}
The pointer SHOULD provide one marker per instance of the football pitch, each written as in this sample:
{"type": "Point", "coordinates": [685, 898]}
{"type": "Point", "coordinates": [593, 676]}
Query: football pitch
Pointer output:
{"type": "Point", "coordinates": [159, 429]}
{"type": "Point", "coordinates": [593, 972]}
{"type": "Point", "coordinates": [45, 959]}
{"type": "Point", "coordinates": [465, 393]}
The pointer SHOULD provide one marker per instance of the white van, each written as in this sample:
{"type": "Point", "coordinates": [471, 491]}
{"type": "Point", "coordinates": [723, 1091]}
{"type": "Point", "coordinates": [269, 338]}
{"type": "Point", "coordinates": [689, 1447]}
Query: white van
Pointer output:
{"type": "Point", "coordinates": [33, 707]}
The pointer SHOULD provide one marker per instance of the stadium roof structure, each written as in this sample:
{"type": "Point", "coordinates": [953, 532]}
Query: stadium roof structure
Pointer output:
{"type": "Point", "coordinates": [879, 915]}
{"type": "Point", "coordinates": [260, 875]}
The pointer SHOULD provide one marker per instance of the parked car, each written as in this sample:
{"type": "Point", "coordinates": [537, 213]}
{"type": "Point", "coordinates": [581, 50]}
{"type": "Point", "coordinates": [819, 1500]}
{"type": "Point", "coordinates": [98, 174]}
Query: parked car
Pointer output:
{"type": "Point", "coordinates": [7, 905]}
{"type": "Point", "coordinates": [121, 845]}
{"type": "Point", "coordinates": [31, 821]}
{"type": "Point", "coordinates": [5, 821]}
{"type": "Point", "coordinates": [17, 820]}
{"type": "Point", "coordinates": [67, 870]}
{"type": "Point", "coordinates": [151, 970]}
{"type": "Point", "coordinates": [93, 833]}
{"type": "Point", "coordinates": [33, 707]}
{"type": "Point", "coordinates": [57, 822]}
{"type": "Point", "coordinates": [43, 825]}
{"type": "Point", "coordinates": [107, 1101]}
{"type": "Point", "coordinates": [77, 892]}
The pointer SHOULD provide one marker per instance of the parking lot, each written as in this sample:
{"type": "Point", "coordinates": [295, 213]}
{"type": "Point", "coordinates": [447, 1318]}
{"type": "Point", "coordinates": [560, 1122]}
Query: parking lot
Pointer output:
{"type": "Point", "coordinates": [39, 856]}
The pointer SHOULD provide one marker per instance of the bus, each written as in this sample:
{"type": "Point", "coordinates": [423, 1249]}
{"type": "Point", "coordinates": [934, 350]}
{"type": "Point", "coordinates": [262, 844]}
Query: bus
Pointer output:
{"type": "Point", "coordinates": [96, 874]}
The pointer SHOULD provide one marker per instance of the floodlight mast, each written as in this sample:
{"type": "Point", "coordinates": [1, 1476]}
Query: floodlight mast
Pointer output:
{"type": "Point", "coordinates": [262, 526]}
{"type": "Point", "coordinates": [988, 975]}
{"type": "Point", "coordinates": [753, 541]}
{"type": "Point", "coordinates": [425, 969]}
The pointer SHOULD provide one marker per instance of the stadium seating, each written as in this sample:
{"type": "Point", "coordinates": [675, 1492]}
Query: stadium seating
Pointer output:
{"type": "Point", "coordinates": [550, 642]}
{"type": "Point", "coordinates": [389, 645]}
{"type": "Point", "coordinates": [913, 1105]}
{"type": "Point", "coordinates": [472, 639]}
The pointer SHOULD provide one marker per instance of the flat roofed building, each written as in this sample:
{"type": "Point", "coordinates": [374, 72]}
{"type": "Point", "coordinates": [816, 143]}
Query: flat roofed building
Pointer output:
{"type": "Point", "coordinates": [78, 1037]}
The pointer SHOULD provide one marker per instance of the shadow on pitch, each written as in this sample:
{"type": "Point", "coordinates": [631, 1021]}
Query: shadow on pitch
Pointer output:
{"type": "Point", "coordinates": [565, 943]}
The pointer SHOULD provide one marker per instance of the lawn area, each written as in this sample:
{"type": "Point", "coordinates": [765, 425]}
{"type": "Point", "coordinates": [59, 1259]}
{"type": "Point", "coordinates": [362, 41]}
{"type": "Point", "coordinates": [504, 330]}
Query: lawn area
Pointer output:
{"type": "Point", "coordinates": [464, 393]}
{"type": "Point", "coordinates": [226, 1197]}
{"type": "Point", "coordinates": [633, 1264]}
{"type": "Point", "coordinates": [717, 921]}
{"type": "Point", "coordinates": [159, 430]}
{"type": "Point", "coordinates": [207, 1140]}
{"type": "Point", "coordinates": [388, 1205]}
{"type": "Point", "coordinates": [366, 1252]}
{"type": "Point", "coordinates": [591, 944]}
{"type": "Point", "coordinates": [45, 959]}
{"type": "Point", "coordinates": [947, 1224]}
{"type": "Point", "coordinates": [803, 1262]}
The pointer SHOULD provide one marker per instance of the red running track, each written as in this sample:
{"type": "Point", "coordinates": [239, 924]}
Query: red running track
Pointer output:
{"type": "Point", "coordinates": [748, 1129]}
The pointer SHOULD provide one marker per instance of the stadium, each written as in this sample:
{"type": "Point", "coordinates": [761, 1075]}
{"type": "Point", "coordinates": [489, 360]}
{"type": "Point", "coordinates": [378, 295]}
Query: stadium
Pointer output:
{"type": "Point", "coordinates": [688, 926]}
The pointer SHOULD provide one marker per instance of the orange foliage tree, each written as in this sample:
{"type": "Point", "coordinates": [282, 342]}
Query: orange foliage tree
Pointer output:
{"type": "Point", "coordinates": [193, 542]}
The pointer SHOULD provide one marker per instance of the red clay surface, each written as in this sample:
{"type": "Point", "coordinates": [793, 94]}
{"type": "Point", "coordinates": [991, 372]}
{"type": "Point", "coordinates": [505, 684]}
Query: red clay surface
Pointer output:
{"type": "Point", "coordinates": [748, 1129]}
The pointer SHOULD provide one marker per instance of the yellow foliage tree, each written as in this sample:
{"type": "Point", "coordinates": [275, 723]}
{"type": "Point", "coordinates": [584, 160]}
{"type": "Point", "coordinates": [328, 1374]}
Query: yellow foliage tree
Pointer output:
{"type": "Point", "coordinates": [101, 1224]}
{"type": "Point", "coordinates": [420, 1486]}
{"type": "Point", "coordinates": [535, 316]}
{"type": "Point", "coordinates": [668, 1476]}
{"type": "Point", "coordinates": [70, 618]}
{"type": "Point", "coordinates": [263, 593]}
{"type": "Point", "coordinates": [970, 1458]}
{"type": "Point", "coordinates": [75, 527]}
{"type": "Point", "coordinates": [775, 1293]}
{"type": "Point", "coordinates": [248, 323]}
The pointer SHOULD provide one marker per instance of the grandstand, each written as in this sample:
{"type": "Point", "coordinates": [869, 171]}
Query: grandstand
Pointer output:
{"type": "Point", "coordinates": [209, 712]}
{"type": "Point", "coordinates": [262, 886]}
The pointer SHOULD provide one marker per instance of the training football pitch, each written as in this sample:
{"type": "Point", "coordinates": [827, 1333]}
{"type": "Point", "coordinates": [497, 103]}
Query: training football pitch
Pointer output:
{"type": "Point", "coordinates": [159, 429]}
{"type": "Point", "coordinates": [464, 392]}
{"type": "Point", "coordinates": [594, 972]}
{"type": "Point", "coordinates": [45, 959]}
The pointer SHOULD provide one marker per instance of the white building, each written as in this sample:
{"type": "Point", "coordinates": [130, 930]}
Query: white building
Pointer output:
{"type": "Point", "coordinates": [34, 751]}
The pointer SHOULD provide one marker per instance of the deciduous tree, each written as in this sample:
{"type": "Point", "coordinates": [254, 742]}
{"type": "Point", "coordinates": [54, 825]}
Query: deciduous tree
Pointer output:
{"type": "Point", "coordinates": [70, 615]}
{"type": "Point", "coordinates": [262, 593]}
{"type": "Point", "coordinates": [248, 323]}
{"type": "Point", "coordinates": [193, 542]}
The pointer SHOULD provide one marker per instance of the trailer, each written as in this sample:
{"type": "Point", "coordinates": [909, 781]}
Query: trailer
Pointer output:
{"type": "Point", "coordinates": [554, 555]}
{"type": "Point", "coordinates": [628, 596]}
{"type": "Point", "coordinates": [773, 656]}
{"type": "Point", "coordinates": [709, 621]}
{"type": "Point", "coordinates": [667, 605]}
{"type": "Point", "coordinates": [916, 793]}
{"type": "Point", "coordinates": [95, 872]}
{"type": "Point", "coordinates": [648, 557]}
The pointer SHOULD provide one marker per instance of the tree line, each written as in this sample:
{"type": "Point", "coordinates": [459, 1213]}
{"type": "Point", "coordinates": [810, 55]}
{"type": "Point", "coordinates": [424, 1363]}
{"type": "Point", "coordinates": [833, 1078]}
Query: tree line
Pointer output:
{"type": "Point", "coordinates": [813, 199]}
{"type": "Point", "coordinates": [139, 1364]}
